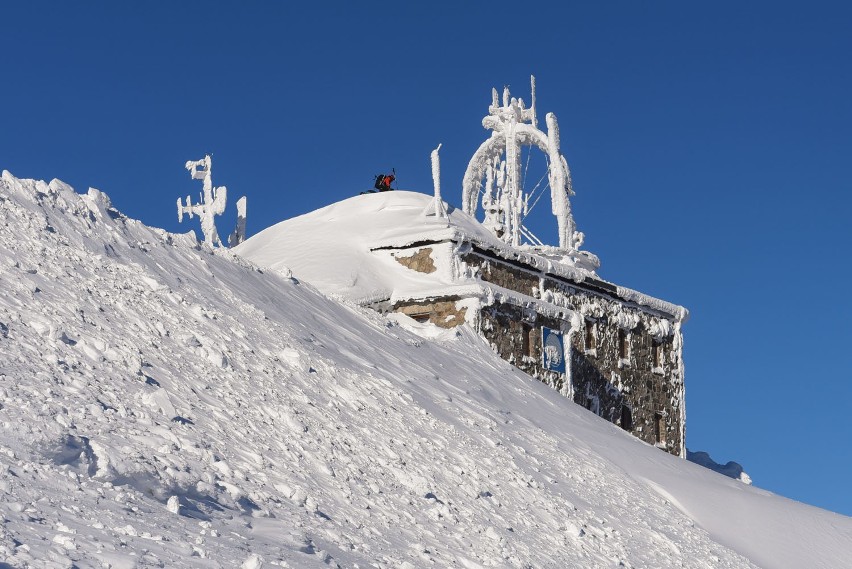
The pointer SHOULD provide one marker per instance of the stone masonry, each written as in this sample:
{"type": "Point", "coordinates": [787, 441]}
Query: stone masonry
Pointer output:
{"type": "Point", "coordinates": [623, 359]}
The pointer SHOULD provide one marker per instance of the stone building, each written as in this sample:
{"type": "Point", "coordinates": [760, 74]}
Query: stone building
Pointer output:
{"type": "Point", "coordinates": [610, 349]}
{"type": "Point", "coordinates": [613, 350]}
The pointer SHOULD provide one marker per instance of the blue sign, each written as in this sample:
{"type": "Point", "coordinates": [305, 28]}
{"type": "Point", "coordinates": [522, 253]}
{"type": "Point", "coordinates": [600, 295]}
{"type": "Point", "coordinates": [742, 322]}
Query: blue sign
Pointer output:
{"type": "Point", "coordinates": [552, 350]}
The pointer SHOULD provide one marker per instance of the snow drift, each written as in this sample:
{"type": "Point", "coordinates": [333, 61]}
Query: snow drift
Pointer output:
{"type": "Point", "coordinates": [167, 404]}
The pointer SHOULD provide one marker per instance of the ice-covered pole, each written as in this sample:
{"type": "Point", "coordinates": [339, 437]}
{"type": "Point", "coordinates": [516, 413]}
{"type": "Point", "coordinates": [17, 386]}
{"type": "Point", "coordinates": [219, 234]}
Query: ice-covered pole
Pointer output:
{"type": "Point", "coordinates": [560, 187]}
{"type": "Point", "coordinates": [436, 207]}
{"type": "Point", "coordinates": [239, 234]}
{"type": "Point", "coordinates": [532, 104]}
{"type": "Point", "coordinates": [436, 171]}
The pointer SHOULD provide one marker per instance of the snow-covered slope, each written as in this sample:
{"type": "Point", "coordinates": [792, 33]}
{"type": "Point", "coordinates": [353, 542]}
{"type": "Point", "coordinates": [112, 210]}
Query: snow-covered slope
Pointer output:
{"type": "Point", "coordinates": [166, 405]}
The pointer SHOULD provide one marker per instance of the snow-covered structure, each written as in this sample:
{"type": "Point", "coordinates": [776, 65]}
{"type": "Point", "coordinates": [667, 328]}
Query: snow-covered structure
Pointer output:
{"type": "Point", "coordinates": [239, 234]}
{"type": "Point", "coordinates": [611, 349]}
{"type": "Point", "coordinates": [614, 350]}
{"type": "Point", "coordinates": [211, 203]}
{"type": "Point", "coordinates": [497, 171]}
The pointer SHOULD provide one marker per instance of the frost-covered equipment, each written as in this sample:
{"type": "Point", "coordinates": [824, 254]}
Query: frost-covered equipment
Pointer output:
{"type": "Point", "coordinates": [239, 234]}
{"type": "Point", "coordinates": [212, 200]}
{"type": "Point", "coordinates": [495, 171]}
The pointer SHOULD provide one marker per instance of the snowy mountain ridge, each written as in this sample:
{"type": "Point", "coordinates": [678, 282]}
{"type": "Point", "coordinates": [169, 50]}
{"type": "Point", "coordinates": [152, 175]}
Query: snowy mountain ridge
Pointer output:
{"type": "Point", "coordinates": [165, 404]}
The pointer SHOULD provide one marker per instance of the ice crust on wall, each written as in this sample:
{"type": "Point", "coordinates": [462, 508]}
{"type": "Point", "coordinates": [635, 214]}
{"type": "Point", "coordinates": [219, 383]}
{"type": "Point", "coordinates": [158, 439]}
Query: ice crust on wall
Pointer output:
{"type": "Point", "coordinates": [166, 403]}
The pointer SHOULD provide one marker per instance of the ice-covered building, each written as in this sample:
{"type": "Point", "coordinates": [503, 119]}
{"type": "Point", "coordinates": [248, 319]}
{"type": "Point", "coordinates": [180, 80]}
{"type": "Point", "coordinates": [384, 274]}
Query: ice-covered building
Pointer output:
{"type": "Point", "coordinates": [611, 349]}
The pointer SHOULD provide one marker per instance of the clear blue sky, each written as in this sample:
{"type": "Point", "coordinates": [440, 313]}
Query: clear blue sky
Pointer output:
{"type": "Point", "coordinates": [709, 146]}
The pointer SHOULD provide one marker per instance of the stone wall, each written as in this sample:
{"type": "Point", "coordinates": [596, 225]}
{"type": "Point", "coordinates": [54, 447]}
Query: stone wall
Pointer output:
{"type": "Point", "coordinates": [629, 391]}
{"type": "Point", "coordinates": [516, 333]}
{"type": "Point", "coordinates": [623, 360]}
{"type": "Point", "coordinates": [420, 261]}
{"type": "Point", "coordinates": [443, 313]}
{"type": "Point", "coordinates": [504, 275]}
{"type": "Point", "coordinates": [620, 379]}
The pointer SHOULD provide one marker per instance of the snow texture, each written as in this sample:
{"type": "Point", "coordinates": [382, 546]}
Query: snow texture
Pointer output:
{"type": "Point", "coordinates": [165, 403]}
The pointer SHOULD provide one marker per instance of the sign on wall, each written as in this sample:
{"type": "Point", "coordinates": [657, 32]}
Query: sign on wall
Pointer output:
{"type": "Point", "coordinates": [552, 350]}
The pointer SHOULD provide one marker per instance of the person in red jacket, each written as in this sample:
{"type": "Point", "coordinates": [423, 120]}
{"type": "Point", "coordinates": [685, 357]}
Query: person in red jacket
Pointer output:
{"type": "Point", "coordinates": [384, 181]}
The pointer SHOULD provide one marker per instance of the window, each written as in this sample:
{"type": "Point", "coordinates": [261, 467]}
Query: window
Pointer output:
{"type": "Point", "coordinates": [623, 345]}
{"type": "Point", "coordinates": [527, 346]}
{"type": "Point", "coordinates": [657, 353]}
{"type": "Point", "coordinates": [659, 429]}
{"type": "Point", "coordinates": [626, 418]}
{"type": "Point", "coordinates": [591, 344]}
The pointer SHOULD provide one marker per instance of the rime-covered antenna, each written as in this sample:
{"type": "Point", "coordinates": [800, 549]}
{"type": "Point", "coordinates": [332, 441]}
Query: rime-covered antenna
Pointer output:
{"type": "Point", "coordinates": [514, 126]}
{"type": "Point", "coordinates": [211, 201]}
{"type": "Point", "coordinates": [436, 207]}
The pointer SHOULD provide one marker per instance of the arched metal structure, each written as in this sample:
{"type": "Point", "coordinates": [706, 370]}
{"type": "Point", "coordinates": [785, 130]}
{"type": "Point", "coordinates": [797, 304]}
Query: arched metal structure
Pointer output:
{"type": "Point", "coordinates": [494, 171]}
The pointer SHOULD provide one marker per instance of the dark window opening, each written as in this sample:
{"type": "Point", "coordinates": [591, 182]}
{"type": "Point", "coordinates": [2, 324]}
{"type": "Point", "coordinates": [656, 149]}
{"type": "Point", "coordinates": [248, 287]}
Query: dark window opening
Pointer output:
{"type": "Point", "coordinates": [590, 335]}
{"type": "Point", "coordinates": [657, 353]}
{"type": "Point", "coordinates": [623, 346]}
{"type": "Point", "coordinates": [626, 418]}
{"type": "Point", "coordinates": [526, 343]}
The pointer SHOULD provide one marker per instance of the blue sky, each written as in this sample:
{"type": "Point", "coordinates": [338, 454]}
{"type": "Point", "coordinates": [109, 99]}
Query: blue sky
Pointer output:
{"type": "Point", "coordinates": [709, 146]}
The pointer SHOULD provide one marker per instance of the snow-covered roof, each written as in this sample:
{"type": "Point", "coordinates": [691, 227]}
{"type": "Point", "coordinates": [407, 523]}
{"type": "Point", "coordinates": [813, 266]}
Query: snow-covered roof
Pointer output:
{"type": "Point", "coordinates": [334, 248]}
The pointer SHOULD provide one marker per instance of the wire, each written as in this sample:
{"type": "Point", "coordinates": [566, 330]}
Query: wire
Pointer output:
{"type": "Point", "coordinates": [529, 209]}
{"type": "Point", "coordinates": [526, 168]}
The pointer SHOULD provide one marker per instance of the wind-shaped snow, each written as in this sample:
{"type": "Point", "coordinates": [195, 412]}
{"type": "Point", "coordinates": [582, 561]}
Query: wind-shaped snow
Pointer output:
{"type": "Point", "coordinates": [165, 403]}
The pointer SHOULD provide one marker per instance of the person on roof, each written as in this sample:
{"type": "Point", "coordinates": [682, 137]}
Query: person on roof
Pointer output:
{"type": "Point", "coordinates": [384, 181]}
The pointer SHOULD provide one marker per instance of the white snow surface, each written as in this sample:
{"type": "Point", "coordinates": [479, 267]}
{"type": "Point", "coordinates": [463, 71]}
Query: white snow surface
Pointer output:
{"type": "Point", "coordinates": [331, 247]}
{"type": "Point", "coordinates": [164, 404]}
